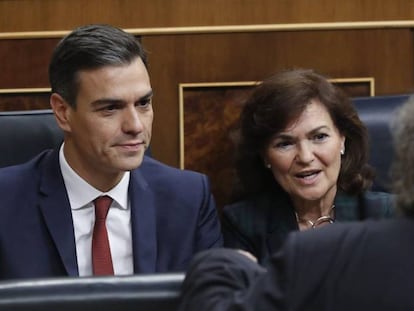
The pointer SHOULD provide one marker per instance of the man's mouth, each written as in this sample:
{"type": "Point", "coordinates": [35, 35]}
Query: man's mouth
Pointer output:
{"type": "Point", "coordinates": [132, 145]}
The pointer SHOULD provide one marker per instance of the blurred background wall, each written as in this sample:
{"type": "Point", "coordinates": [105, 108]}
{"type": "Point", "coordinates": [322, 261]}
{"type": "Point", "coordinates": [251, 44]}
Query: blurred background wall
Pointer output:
{"type": "Point", "coordinates": [197, 46]}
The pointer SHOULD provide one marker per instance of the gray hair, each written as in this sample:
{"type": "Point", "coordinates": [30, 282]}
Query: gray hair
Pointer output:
{"type": "Point", "coordinates": [403, 163]}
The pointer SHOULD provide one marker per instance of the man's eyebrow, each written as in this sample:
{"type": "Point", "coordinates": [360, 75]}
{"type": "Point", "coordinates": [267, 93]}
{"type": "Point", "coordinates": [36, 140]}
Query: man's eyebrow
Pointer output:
{"type": "Point", "coordinates": [106, 101]}
{"type": "Point", "coordinates": [147, 96]}
{"type": "Point", "coordinates": [109, 100]}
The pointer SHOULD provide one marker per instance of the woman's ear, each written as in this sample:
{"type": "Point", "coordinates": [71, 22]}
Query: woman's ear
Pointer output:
{"type": "Point", "coordinates": [62, 111]}
{"type": "Point", "coordinates": [266, 161]}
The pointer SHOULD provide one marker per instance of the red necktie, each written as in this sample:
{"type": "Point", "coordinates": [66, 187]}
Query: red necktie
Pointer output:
{"type": "Point", "coordinates": [101, 252]}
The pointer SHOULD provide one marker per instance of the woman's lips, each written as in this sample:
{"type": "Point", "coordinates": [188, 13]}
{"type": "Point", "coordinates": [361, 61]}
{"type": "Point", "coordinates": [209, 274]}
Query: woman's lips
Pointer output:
{"type": "Point", "coordinates": [307, 177]}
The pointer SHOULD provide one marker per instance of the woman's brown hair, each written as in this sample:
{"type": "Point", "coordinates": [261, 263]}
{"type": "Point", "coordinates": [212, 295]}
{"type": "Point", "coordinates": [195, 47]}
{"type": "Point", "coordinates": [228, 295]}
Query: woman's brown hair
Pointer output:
{"type": "Point", "coordinates": [281, 99]}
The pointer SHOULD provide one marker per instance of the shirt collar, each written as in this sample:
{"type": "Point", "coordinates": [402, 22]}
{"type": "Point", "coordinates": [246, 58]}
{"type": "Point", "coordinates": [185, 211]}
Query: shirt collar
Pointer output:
{"type": "Point", "coordinates": [81, 193]}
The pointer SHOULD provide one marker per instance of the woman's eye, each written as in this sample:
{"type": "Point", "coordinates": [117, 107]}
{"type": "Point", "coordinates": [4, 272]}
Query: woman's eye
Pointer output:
{"type": "Point", "coordinates": [283, 144]}
{"type": "Point", "coordinates": [320, 136]}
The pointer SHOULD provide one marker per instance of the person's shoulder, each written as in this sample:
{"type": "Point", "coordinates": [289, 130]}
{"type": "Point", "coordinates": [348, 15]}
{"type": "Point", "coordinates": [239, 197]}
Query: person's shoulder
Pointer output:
{"type": "Point", "coordinates": [241, 205]}
{"type": "Point", "coordinates": [23, 178]}
{"type": "Point", "coordinates": [156, 171]}
{"type": "Point", "coordinates": [328, 240]}
{"type": "Point", "coordinates": [253, 205]}
{"type": "Point", "coordinates": [228, 257]}
{"type": "Point", "coordinates": [317, 255]}
{"type": "Point", "coordinates": [379, 204]}
{"type": "Point", "coordinates": [21, 170]}
{"type": "Point", "coordinates": [378, 196]}
{"type": "Point", "coordinates": [149, 164]}
{"type": "Point", "coordinates": [341, 234]}
{"type": "Point", "coordinates": [348, 238]}
{"type": "Point", "coordinates": [263, 212]}
{"type": "Point", "coordinates": [331, 232]}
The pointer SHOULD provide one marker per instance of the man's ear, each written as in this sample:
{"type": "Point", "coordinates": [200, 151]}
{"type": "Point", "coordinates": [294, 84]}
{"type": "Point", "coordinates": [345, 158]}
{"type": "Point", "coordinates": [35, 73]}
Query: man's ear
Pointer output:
{"type": "Point", "coordinates": [62, 111]}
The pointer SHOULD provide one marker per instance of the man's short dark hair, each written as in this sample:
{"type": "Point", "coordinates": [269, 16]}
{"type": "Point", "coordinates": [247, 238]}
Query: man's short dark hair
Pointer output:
{"type": "Point", "coordinates": [90, 47]}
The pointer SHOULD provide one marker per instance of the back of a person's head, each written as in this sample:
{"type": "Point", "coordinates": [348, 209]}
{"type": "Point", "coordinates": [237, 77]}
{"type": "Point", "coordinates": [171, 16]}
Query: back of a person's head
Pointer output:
{"type": "Point", "coordinates": [403, 162]}
{"type": "Point", "coordinates": [90, 47]}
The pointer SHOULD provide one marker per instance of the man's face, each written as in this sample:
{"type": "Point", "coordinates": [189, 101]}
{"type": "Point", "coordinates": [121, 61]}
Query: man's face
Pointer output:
{"type": "Point", "coordinates": [110, 128]}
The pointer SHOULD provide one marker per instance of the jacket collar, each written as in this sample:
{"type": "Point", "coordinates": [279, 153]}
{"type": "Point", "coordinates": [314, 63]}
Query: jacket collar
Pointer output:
{"type": "Point", "coordinates": [55, 207]}
{"type": "Point", "coordinates": [143, 223]}
{"type": "Point", "coordinates": [283, 220]}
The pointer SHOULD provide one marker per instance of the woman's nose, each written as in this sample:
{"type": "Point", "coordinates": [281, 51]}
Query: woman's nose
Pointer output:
{"type": "Point", "coordinates": [305, 153]}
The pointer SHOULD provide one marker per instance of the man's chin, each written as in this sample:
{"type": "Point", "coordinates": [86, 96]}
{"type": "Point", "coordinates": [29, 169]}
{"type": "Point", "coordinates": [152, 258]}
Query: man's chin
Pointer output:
{"type": "Point", "coordinates": [131, 164]}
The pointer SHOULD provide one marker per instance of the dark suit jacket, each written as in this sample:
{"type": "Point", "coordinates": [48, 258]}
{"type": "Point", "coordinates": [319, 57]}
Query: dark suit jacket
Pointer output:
{"type": "Point", "coordinates": [354, 266]}
{"type": "Point", "coordinates": [261, 224]}
{"type": "Point", "coordinates": [173, 216]}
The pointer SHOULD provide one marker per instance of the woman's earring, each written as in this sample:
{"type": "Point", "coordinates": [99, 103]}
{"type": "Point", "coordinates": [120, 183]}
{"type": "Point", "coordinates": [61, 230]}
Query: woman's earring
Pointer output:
{"type": "Point", "coordinates": [268, 166]}
{"type": "Point", "coordinates": [342, 151]}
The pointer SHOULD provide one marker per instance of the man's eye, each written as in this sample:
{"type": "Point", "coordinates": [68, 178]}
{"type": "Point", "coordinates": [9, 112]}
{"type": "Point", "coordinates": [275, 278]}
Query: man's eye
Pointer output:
{"type": "Point", "coordinates": [144, 103]}
{"type": "Point", "coordinates": [110, 107]}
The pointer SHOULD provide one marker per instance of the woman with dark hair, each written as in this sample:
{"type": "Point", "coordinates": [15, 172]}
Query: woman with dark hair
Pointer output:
{"type": "Point", "coordinates": [302, 163]}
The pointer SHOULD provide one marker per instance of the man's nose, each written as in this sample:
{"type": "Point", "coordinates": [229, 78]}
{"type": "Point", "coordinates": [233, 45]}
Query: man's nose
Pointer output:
{"type": "Point", "coordinates": [132, 121]}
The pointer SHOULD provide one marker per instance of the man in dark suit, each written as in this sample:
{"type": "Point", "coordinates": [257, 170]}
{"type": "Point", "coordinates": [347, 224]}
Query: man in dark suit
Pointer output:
{"type": "Point", "coordinates": [154, 217]}
{"type": "Point", "coordinates": [354, 266]}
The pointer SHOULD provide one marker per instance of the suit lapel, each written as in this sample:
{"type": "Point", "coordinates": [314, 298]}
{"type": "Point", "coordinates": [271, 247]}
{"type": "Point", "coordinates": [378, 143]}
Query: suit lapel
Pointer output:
{"type": "Point", "coordinates": [55, 206]}
{"type": "Point", "coordinates": [143, 224]}
{"type": "Point", "coordinates": [283, 226]}
{"type": "Point", "coordinates": [283, 221]}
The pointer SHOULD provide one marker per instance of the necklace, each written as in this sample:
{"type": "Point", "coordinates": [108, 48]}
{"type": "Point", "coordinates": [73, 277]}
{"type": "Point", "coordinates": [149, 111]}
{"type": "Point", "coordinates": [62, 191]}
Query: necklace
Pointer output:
{"type": "Point", "coordinates": [313, 224]}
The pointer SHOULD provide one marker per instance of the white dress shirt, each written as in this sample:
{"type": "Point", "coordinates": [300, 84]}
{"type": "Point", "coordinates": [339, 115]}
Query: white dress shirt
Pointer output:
{"type": "Point", "coordinates": [118, 222]}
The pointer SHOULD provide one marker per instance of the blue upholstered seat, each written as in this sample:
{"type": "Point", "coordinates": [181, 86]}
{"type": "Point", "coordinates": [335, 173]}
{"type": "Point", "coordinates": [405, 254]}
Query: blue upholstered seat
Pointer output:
{"type": "Point", "coordinates": [24, 134]}
{"type": "Point", "coordinates": [152, 292]}
{"type": "Point", "coordinates": [377, 113]}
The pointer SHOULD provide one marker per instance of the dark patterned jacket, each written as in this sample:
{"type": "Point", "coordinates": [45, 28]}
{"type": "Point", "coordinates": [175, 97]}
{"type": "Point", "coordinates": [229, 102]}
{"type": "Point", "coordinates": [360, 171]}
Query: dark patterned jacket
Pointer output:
{"type": "Point", "coordinates": [261, 224]}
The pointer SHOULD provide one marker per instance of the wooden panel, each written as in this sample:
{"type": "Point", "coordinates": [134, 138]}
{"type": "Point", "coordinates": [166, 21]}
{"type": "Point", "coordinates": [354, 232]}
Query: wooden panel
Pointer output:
{"type": "Point", "coordinates": [15, 101]}
{"type": "Point", "coordinates": [30, 15]}
{"type": "Point", "coordinates": [24, 63]}
{"type": "Point", "coordinates": [209, 131]}
{"type": "Point", "coordinates": [386, 55]}
{"type": "Point", "coordinates": [209, 127]}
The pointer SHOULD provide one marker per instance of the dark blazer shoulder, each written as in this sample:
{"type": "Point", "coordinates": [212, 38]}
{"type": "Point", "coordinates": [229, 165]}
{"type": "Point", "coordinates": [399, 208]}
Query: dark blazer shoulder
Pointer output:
{"type": "Point", "coordinates": [327, 235]}
{"type": "Point", "coordinates": [155, 171]}
{"type": "Point", "coordinates": [258, 224]}
{"type": "Point", "coordinates": [17, 175]}
{"type": "Point", "coordinates": [254, 211]}
{"type": "Point", "coordinates": [368, 205]}
{"type": "Point", "coordinates": [267, 208]}
{"type": "Point", "coordinates": [379, 204]}
{"type": "Point", "coordinates": [258, 205]}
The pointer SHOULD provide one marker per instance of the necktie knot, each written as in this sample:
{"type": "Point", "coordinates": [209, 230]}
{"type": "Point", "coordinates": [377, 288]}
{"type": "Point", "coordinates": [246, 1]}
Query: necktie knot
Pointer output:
{"type": "Point", "coordinates": [102, 205]}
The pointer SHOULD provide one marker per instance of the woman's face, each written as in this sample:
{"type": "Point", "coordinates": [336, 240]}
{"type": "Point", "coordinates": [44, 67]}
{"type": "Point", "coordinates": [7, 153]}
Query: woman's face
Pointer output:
{"type": "Point", "coordinates": [305, 158]}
